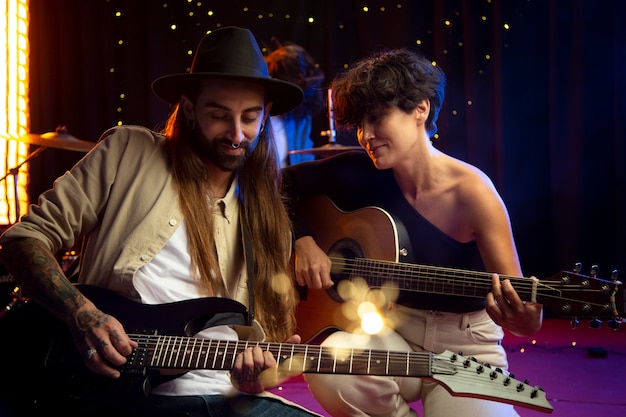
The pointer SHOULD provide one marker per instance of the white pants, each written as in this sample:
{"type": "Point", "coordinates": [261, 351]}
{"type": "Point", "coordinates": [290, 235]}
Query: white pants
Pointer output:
{"type": "Point", "coordinates": [472, 334]}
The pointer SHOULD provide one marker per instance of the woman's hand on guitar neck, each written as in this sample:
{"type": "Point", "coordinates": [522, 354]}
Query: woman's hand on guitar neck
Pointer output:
{"type": "Point", "coordinates": [312, 266]}
{"type": "Point", "coordinates": [506, 308]}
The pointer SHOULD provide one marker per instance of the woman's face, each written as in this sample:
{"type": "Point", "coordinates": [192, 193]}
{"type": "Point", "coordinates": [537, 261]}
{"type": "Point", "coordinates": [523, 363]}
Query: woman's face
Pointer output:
{"type": "Point", "coordinates": [388, 135]}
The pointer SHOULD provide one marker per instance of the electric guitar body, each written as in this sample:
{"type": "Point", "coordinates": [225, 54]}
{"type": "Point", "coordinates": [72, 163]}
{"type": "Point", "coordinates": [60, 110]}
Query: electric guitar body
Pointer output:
{"type": "Point", "coordinates": [43, 374]}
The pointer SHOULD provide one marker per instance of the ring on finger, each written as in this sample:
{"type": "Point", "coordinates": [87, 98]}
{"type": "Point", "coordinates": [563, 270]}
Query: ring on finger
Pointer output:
{"type": "Point", "coordinates": [90, 352]}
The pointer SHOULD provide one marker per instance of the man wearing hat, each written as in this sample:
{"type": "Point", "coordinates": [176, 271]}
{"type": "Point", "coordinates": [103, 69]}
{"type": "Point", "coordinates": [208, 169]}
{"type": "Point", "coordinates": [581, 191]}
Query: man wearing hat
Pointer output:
{"type": "Point", "coordinates": [190, 213]}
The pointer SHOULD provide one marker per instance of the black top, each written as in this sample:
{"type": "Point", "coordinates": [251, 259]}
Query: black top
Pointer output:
{"type": "Point", "coordinates": [351, 181]}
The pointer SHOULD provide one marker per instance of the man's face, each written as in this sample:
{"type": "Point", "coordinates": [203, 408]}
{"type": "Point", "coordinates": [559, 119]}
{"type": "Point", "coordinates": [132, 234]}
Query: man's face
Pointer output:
{"type": "Point", "coordinates": [228, 115]}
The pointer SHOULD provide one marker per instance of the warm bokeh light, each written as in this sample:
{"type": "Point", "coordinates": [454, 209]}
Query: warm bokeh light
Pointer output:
{"type": "Point", "coordinates": [372, 322]}
{"type": "Point", "coordinates": [14, 116]}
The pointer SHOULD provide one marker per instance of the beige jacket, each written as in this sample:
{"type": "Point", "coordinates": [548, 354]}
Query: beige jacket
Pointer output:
{"type": "Point", "coordinates": [122, 197]}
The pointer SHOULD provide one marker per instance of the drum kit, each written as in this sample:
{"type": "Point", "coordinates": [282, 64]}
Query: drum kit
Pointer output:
{"type": "Point", "coordinates": [59, 139]}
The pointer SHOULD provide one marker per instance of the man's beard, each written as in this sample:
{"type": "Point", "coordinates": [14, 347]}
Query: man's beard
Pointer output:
{"type": "Point", "coordinates": [214, 151]}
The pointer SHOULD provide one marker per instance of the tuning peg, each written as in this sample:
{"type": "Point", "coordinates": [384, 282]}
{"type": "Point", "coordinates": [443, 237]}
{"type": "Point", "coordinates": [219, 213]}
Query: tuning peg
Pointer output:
{"type": "Point", "coordinates": [578, 266]}
{"type": "Point", "coordinates": [594, 271]}
{"type": "Point", "coordinates": [574, 323]}
{"type": "Point", "coordinates": [535, 392]}
{"type": "Point", "coordinates": [595, 323]}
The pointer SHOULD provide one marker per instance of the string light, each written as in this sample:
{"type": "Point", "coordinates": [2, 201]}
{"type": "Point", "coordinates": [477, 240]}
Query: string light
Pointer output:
{"type": "Point", "coordinates": [192, 15]}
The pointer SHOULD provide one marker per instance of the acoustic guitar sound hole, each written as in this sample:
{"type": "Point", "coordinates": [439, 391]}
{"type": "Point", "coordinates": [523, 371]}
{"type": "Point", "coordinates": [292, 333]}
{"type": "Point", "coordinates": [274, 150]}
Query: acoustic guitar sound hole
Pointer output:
{"type": "Point", "coordinates": [342, 254]}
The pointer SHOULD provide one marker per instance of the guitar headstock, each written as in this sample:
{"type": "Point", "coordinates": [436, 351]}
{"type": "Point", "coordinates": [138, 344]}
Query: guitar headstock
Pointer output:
{"type": "Point", "coordinates": [574, 295]}
{"type": "Point", "coordinates": [465, 377]}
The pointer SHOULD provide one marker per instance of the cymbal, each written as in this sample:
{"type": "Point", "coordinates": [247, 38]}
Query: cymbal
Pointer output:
{"type": "Point", "coordinates": [58, 140]}
{"type": "Point", "coordinates": [326, 150]}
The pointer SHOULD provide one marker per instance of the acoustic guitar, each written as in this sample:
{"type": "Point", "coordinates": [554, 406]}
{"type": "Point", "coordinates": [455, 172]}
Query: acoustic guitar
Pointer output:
{"type": "Point", "coordinates": [365, 248]}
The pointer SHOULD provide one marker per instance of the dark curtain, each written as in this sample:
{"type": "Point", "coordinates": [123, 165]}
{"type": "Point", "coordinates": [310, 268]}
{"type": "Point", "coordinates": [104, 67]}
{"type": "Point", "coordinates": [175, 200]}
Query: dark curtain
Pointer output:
{"type": "Point", "coordinates": [535, 93]}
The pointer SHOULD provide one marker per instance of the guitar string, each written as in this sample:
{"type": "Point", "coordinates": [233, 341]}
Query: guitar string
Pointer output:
{"type": "Point", "coordinates": [170, 349]}
{"type": "Point", "coordinates": [464, 371]}
{"type": "Point", "coordinates": [394, 272]}
{"type": "Point", "coordinates": [167, 348]}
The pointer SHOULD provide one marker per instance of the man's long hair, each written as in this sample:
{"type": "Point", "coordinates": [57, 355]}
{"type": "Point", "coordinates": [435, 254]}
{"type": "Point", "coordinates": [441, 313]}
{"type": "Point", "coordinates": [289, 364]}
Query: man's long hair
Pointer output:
{"type": "Point", "coordinates": [262, 211]}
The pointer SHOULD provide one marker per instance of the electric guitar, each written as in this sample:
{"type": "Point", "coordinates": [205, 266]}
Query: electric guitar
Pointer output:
{"type": "Point", "coordinates": [53, 366]}
{"type": "Point", "coordinates": [366, 250]}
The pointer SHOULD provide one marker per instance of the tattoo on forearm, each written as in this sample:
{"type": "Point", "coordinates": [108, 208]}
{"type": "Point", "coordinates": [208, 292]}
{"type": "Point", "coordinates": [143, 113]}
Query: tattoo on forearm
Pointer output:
{"type": "Point", "coordinates": [40, 276]}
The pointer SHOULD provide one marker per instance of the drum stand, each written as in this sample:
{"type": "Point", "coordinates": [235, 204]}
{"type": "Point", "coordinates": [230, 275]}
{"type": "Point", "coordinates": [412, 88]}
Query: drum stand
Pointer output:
{"type": "Point", "coordinates": [15, 172]}
{"type": "Point", "coordinates": [16, 299]}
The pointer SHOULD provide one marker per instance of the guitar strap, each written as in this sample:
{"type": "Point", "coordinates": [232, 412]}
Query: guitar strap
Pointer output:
{"type": "Point", "coordinates": [249, 259]}
{"type": "Point", "coordinates": [399, 209]}
{"type": "Point", "coordinates": [405, 248]}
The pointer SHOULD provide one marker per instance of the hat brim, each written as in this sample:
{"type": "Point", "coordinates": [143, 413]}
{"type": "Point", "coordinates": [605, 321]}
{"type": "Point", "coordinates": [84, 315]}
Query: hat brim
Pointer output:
{"type": "Point", "coordinates": [284, 95]}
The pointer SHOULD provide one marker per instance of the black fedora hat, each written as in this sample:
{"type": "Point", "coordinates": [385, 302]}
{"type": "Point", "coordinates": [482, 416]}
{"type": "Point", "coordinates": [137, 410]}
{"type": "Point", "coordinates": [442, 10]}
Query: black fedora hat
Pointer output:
{"type": "Point", "coordinates": [232, 53]}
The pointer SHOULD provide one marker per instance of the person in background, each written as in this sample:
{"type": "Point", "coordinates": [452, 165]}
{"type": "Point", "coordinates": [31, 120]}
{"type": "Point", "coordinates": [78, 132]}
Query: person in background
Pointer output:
{"type": "Point", "coordinates": [293, 130]}
{"type": "Point", "coordinates": [192, 212]}
{"type": "Point", "coordinates": [449, 214]}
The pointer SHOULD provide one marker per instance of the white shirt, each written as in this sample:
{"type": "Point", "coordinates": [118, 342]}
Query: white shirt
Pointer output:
{"type": "Point", "coordinates": [167, 278]}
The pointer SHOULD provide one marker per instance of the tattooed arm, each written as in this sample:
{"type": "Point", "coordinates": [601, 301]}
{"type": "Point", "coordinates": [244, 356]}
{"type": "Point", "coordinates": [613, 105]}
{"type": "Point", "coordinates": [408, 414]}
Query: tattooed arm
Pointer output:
{"type": "Point", "coordinates": [99, 337]}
